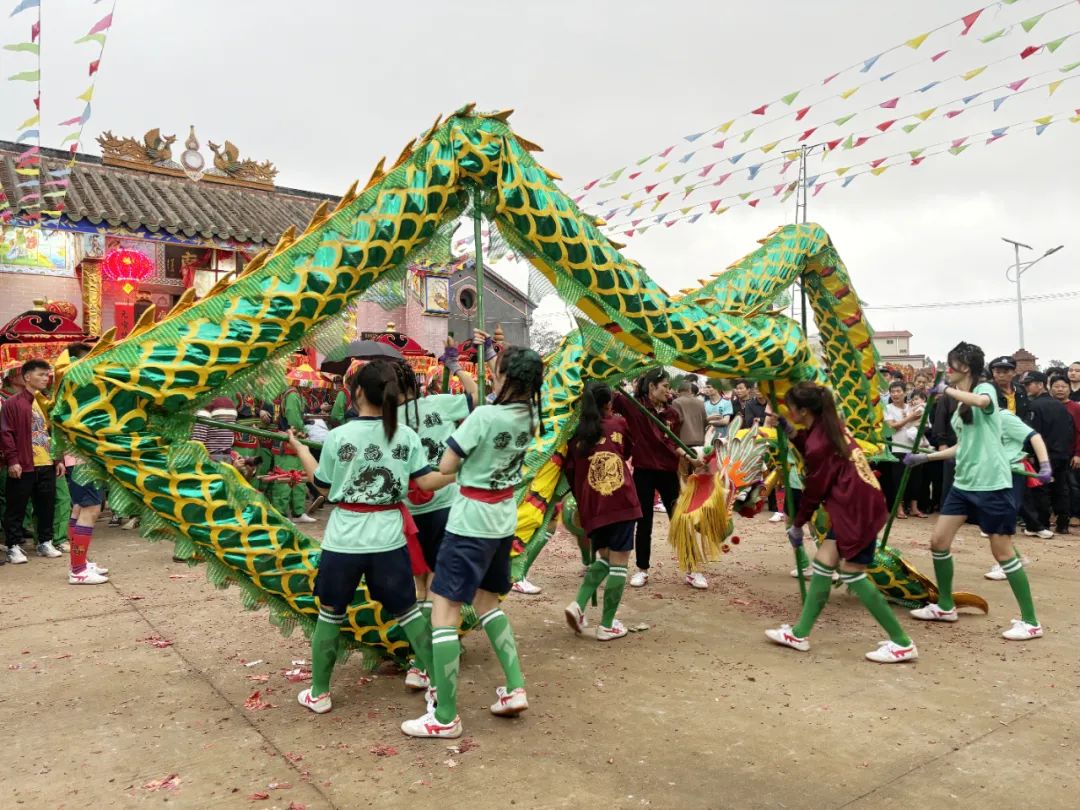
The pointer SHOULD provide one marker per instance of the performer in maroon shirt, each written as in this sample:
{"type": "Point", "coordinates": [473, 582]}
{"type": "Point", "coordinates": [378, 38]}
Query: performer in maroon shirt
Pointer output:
{"type": "Point", "coordinates": [839, 478]}
{"type": "Point", "coordinates": [656, 458]}
{"type": "Point", "coordinates": [596, 466]}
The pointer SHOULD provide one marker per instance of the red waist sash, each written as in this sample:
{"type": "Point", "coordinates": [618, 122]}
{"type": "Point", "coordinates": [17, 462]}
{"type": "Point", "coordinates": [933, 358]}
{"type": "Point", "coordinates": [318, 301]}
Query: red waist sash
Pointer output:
{"type": "Point", "coordinates": [412, 534]}
{"type": "Point", "coordinates": [488, 495]}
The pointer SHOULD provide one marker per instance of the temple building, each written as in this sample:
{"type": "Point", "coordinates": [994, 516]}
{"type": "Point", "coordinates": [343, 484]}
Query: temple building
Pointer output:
{"type": "Point", "coordinates": [194, 220]}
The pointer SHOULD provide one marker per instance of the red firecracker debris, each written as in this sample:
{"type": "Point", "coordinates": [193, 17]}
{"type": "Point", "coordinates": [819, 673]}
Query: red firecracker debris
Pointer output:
{"type": "Point", "coordinates": [259, 796]}
{"type": "Point", "coordinates": [383, 750]}
{"type": "Point", "coordinates": [170, 782]}
{"type": "Point", "coordinates": [157, 641]}
{"type": "Point", "coordinates": [255, 702]}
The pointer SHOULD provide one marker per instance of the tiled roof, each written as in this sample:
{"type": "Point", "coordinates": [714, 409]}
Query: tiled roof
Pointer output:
{"type": "Point", "coordinates": [115, 196]}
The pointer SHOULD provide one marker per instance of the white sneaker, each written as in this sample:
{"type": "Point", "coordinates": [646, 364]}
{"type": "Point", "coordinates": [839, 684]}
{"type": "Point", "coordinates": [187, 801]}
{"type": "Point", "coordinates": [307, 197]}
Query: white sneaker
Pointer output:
{"type": "Point", "coordinates": [1042, 534]}
{"type": "Point", "coordinates": [101, 569]}
{"type": "Point", "coordinates": [526, 587]}
{"type": "Point", "coordinates": [88, 576]}
{"type": "Point", "coordinates": [783, 635]}
{"type": "Point", "coordinates": [16, 555]}
{"type": "Point", "coordinates": [777, 517]}
{"type": "Point", "coordinates": [659, 507]}
{"type": "Point", "coordinates": [1022, 631]}
{"type": "Point", "coordinates": [431, 698]}
{"type": "Point", "coordinates": [995, 573]}
{"type": "Point", "coordinates": [305, 519]}
{"type": "Point", "coordinates": [319, 705]}
{"type": "Point", "coordinates": [64, 548]}
{"type": "Point", "coordinates": [417, 679]}
{"type": "Point", "coordinates": [697, 580]}
{"type": "Point", "coordinates": [640, 579]}
{"type": "Point", "coordinates": [889, 653]}
{"type": "Point", "coordinates": [932, 613]}
{"type": "Point", "coordinates": [428, 726]}
{"type": "Point", "coordinates": [48, 550]}
{"type": "Point", "coordinates": [807, 573]}
{"type": "Point", "coordinates": [575, 617]}
{"type": "Point", "coordinates": [509, 704]}
{"type": "Point", "coordinates": [617, 630]}
{"type": "Point", "coordinates": [984, 534]}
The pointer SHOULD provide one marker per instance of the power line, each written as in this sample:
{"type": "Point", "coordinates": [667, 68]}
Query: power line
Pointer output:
{"type": "Point", "coordinates": [979, 303]}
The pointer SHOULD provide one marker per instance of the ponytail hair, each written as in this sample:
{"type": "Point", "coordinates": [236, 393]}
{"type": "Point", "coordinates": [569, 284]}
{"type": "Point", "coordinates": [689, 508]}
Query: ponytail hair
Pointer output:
{"type": "Point", "coordinates": [970, 355]}
{"type": "Point", "coordinates": [819, 401]}
{"type": "Point", "coordinates": [409, 388]}
{"type": "Point", "coordinates": [524, 372]}
{"type": "Point", "coordinates": [379, 383]}
{"type": "Point", "coordinates": [588, 432]}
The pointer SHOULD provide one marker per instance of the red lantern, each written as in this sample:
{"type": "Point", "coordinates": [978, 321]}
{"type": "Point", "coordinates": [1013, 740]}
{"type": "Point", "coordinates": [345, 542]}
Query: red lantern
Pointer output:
{"type": "Point", "coordinates": [127, 268]}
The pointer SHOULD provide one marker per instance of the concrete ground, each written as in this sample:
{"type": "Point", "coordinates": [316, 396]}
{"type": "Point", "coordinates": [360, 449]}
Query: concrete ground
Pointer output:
{"type": "Point", "coordinates": [133, 694]}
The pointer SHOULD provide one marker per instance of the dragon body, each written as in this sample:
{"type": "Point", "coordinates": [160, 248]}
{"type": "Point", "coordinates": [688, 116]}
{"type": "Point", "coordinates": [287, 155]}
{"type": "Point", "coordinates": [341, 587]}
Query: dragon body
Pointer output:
{"type": "Point", "coordinates": [127, 408]}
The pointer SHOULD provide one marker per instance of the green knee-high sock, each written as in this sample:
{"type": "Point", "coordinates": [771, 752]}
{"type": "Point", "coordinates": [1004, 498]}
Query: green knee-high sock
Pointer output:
{"type": "Point", "coordinates": [324, 644]}
{"type": "Point", "coordinates": [613, 591]}
{"type": "Point", "coordinates": [418, 631]}
{"type": "Point", "coordinates": [871, 597]}
{"type": "Point", "coordinates": [1018, 581]}
{"type": "Point", "coordinates": [943, 573]}
{"type": "Point", "coordinates": [593, 577]}
{"type": "Point", "coordinates": [498, 630]}
{"type": "Point", "coordinates": [817, 594]}
{"type": "Point", "coordinates": [425, 608]}
{"type": "Point", "coordinates": [445, 661]}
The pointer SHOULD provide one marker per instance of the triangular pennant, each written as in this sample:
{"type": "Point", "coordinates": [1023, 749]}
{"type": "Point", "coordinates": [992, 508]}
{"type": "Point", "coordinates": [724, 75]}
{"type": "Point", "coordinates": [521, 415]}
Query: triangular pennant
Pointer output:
{"type": "Point", "coordinates": [24, 5]}
{"type": "Point", "coordinates": [677, 179]}
{"type": "Point", "coordinates": [956, 150]}
{"type": "Point", "coordinates": [937, 56]}
{"type": "Point", "coordinates": [787, 165]}
{"type": "Point", "coordinates": [23, 47]}
{"type": "Point", "coordinates": [807, 134]}
{"type": "Point", "coordinates": [588, 186]}
{"type": "Point", "coordinates": [86, 94]}
{"type": "Point", "coordinates": [925, 114]}
{"type": "Point", "coordinates": [705, 171]}
{"type": "Point", "coordinates": [998, 102]}
{"type": "Point", "coordinates": [1030, 22]}
{"type": "Point", "coordinates": [1055, 44]}
{"type": "Point", "coordinates": [830, 145]}
{"type": "Point", "coordinates": [991, 37]}
{"type": "Point", "coordinates": [753, 170]}
{"type": "Point", "coordinates": [662, 166]}
{"type": "Point", "coordinates": [916, 152]}
{"type": "Point", "coordinates": [801, 113]}
{"type": "Point", "coordinates": [1054, 86]}
{"type": "Point", "coordinates": [790, 97]}
{"type": "Point", "coordinates": [817, 189]}
{"type": "Point", "coordinates": [849, 93]}
{"type": "Point", "coordinates": [972, 97]}
{"type": "Point", "coordinates": [917, 161]}
{"type": "Point", "coordinates": [28, 135]}
{"type": "Point", "coordinates": [1069, 67]}
{"type": "Point", "coordinates": [769, 147]}
{"type": "Point", "coordinates": [688, 190]}
{"type": "Point", "coordinates": [629, 232]}
{"type": "Point", "coordinates": [670, 222]}
{"type": "Point", "coordinates": [926, 87]}
{"type": "Point", "coordinates": [787, 194]}
{"type": "Point", "coordinates": [649, 188]}
{"type": "Point", "coordinates": [830, 78]}
{"type": "Point", "coordinates": [875, 163]}
{"type": "Point", "coordinates": [890, 104]}
{"type": "Point", "coordinates": [956, 142]}
{"type": "Point", "coordinates": [1017, 84]}
{"type": "Point", "coordinates": [1046, 119]}
{"type": "Point", "coordinates": [842, 171]}
{"type": "Point", "coordinates": [29, 122]}
{"type": "Point", "coordinates": [753, 203]}
{"type": "Point", "coordinates": [1028, 51]}
{"type": "Point", "coordinates": [686, 158]}
{"type": "Point", "coordinates": [722, 178]}
{"type": "Point", "coordinates": [713, 205]}
{"type": "Point", "coordinates": [953, 113]}
{"type": "Point", "coordinates": [1042, 128]}
{"type": "Point", "coordinates": [685, 211]}
{"type": "Point", "coordinates": [98, 38]}
{"type": "Point", "coordinates": [633, 176]}
{"type": "Point", "coordinates": [843, 119]}
{"type": "Point", "coordinates": [915, 42]}
{"type": "Point", "coordinates": [725, 127]}
{"type": "Point", "coordinates": [693, 137]}
{"type": "Point", "coordinates": [615, 175]}
{"type": "Point", "coordinates": [777, 189]}
{"type": "Point", "coordinates": [884, 125]}
{"type": "Point", "coordinates": [736, 158]}
{"type": "Point", "coordinates": [719, 144]}
{"type": "Point", "coordinates": [26, 76]}
{"type": "Point", "coordinates": [660, 218]}
{"type": "Point", "coordinates": [811, 180]}
{"type": "Point", "coordinates": [745, 195]}
{"type": "Point", "coordinates": [666, 152]}
{"type": "Point", "coordinates": [746, 136]}
{"type": "Point", "coordinates": [971, 74]}
{"type": "Point", "coordinates": [94, 66]}
{"type": "Point", "coordinates": [850, 142]}
{"type": "Point", "coordinates": [869, 63]}
{"type": "Point", "coordinates": [879, 170]}
{"type": "Point", "coordinates": [886, 76]}
{"type": "Point", "coordinates": [759, 110]}
{"type": "Point", "coordinates": [696, 217]}
{"type": "Point", "coordinates": [969, 20]}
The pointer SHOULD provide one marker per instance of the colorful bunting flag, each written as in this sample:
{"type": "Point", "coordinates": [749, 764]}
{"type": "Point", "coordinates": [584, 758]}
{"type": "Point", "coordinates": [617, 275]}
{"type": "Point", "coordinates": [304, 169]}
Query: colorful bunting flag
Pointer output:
{"type": "Point", "coordinates": [790, 97]}
{"type": "Point", "coordinates": [925, 113]}
{"type": "Point", "coordinates": [969, 21]}
{"type": "Point", "coordinates": [817, 189]}
{"type": "Point", "coordinates": [23, 6]}
{"type": "Point", "coordinates": [686, 158]}
{"type": "Point", "coordinates": [705, 171]}
{"type": "Point", "coordinates": [719, 144]}
{"type": "Point", "coordinates": [879, 170]}
{"type": "Point", "coordinates": [807, 134]}
{"type": "Point", "coordinates": [24, 47]}
{"type": "Point", "coordinates": [693, 137]}
{"type": "Point", "coordinates": [917, 161]}
{"type": "Point", "coordinates": [998, 102]}
{"type": "Point", "coordinates": [759, 110]}
{"type": "Point", "coordinates": [956, 150]}
{"type": "Point", "coordinates": [666, 152]}
{"type": "Point", "coordinates": [802, 113]}
{"type": "Point", "coordinates": [849, 93]}
{"type": "Point", "coordinates": [1017, 84]}
{"type": "Point", "coordinates": [926, 87]}
{"type": "Point", "coordinates": [886, 76]}
{"type": "Point", "coordinates": [1053, 46]}
{"type": "Point", "coordinates": [770, 146]}
{"type": "Point", "coordinates": [725, 127]}
{"type": "Point", "coordinates": [869, 63]}
{"type": "Point", "coordinates": [890, 104]}
{"type": "Point", "coordinates": [1031, 22]}
{"type": "Point", "coordinates": [884, 125]}
{"type": "Point", "coordinates": [736, 158]}
{"type": "Point", "coordinates": [915, 42]}
{"type": "Point", "coordinates": [993, 36]}
{"type": "Point", "coordinates": [971, 74]}
{"type": "Point", "coordinates": [1054, 86]}
{"type": "Point", "coordinates": [843, 119]}
{"type": "Point", "coordinates": [26, 76]}
{"type": "Point", "coordinates": [753, 170]}
{"type": "Point", "coordinates": [830, 78]}
{"type": "Point", "coordinates": [972, 97]}
{"type": "Point", "coordinates": [746, 136]}
{"type": "Point", "coordinates": [937, 56]}
{"type": "Point", "coordinates": [847, 181]}
{"type": "Point", "coordinates": [721, 179]}
{"type": "Point", "coordinates": [953, 113]}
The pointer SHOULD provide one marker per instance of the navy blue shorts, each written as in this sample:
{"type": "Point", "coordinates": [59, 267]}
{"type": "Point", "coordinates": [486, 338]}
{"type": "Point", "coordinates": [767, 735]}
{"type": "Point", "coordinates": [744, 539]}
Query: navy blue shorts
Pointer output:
{"type": "Point", "coordinates": [614, 536]}
{"type": "Point", "coordinates": [1018, 488]}
{"type": "Point", "coordinates": [468, 564]}
{"type": "Point", "coordinates": [84, 495]}
{"type": "Point", "coordinates": [865, 555]}
{"type": "Point", "coordinates": [994, 511]}
{"type": "Point", "coordinates": [431, 527]}
{"type": "Point", "coordinates": [387, 574]}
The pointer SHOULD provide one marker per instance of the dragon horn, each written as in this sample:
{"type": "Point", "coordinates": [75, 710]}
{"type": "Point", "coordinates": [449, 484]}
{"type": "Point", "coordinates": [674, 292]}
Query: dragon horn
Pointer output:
{"type": "Point", "coordinates": [257, 261]}
{"type": "Point", "coordinates": [378, 174]}
{"type": "Point", "coordinates": [319, 216]}
{"type": "Point", "coordinates": [145, 322]}
{"type": "Point", "coordinates": [431, 132]}
{"type": "Point", "coordinates": [103, 344]}
{"type": "Point", "coordinates": [184, 303]}
{"type": "Point", "coordinates": [286, 239]}
{"type": "Point", "coordinates": [350, 195]}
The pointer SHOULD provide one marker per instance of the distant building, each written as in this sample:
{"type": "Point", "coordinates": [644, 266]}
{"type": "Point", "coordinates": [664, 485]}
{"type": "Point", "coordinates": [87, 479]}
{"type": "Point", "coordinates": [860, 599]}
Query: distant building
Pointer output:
{"type": "Point", "coordinates": [504, 304]}
{"type": "Point", "coordinates": [894, 349]}
{"type": "Point", "coordinates": [1025, 361]}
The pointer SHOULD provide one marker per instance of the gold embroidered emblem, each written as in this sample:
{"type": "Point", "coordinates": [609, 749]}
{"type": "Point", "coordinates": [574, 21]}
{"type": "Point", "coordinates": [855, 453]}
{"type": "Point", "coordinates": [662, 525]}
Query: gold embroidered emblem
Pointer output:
{"type": "Point", "coordinates": [606, 472]}
{"type": "Point", "coordinates": [862, 467]}
{"type": "Point", "coordinates": [616, 437]}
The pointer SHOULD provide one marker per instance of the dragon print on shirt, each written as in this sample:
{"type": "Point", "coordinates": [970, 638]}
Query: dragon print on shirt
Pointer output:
{"type": "Point", "coordinates": [374, 485]}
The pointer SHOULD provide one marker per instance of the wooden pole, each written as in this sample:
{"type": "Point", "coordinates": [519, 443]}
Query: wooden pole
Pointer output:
{"type": "Point", "coordinates": [801, 561]}
{"type": "Point", "coordinates": [253, 431]}
{"type": "Point", "coordinates": [478, 249]}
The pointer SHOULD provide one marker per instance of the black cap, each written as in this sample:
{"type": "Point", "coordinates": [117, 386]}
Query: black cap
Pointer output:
{"type": "Point", "coordinates": [1003, 362]}
{"type": "Point", "coordinates": [1034, 377]}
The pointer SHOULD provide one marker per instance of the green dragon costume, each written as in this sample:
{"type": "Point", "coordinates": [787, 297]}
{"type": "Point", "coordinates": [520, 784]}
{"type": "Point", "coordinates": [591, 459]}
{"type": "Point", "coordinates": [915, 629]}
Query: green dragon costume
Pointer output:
{"type": "Point", "coordinates": [127, 407]}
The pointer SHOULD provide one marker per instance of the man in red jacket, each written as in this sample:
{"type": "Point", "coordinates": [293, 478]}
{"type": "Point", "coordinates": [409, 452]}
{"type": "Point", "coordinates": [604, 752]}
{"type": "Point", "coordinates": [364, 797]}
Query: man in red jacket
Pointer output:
{"type": "Point", "coordinates": [31, 468]}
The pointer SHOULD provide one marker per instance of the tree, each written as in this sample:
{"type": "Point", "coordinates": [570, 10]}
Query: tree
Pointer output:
{"type": "Point", "coordinates": [545, 336]}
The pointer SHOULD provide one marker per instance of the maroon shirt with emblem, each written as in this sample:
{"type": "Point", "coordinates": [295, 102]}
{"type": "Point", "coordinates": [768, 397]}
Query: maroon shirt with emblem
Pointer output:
{"type": "Point", "coordinates": [653, 450]}
{"type": "Point", "coordinates": [601, 479]}
{"type": "Point", "coordinates": [846, 487]}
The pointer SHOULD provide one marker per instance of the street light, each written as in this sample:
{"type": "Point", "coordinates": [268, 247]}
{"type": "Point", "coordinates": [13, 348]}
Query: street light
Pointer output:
{"type": "Point", "coordinates": [1019, 268]}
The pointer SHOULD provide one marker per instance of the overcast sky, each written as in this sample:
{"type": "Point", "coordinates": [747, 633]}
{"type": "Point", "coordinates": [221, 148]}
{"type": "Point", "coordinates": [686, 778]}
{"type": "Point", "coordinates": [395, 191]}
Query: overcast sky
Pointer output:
{"type": "Point", "coordinates": [324, 89]}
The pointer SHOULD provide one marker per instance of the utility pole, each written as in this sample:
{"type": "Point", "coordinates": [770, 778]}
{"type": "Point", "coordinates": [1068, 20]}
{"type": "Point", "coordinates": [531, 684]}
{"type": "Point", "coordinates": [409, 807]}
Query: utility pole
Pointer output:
{"type": "Point", "coordinates": [1018, 269]}
{"type": "Point", "coordinates": [802, 196]}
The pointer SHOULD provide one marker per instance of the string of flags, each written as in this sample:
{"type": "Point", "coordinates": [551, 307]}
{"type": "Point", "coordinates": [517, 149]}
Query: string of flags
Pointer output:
{"type": "Point", "coordinates": [787, 102]}
{"type": "Point", "coordinates": [60, 179]}
{"type": "Point", "coordinates": [28, 165]}
{"type": "Point", "coordinates": [42, 190]}
{"type": "Point", "coordinates": [844, 175]}
{"type": "Point", "coordinates": [853, 140]}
